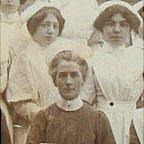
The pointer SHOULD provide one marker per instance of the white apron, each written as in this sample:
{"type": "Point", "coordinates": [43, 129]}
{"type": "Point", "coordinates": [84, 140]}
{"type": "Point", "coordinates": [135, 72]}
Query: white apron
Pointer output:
{"type": "Point", "coordinates": [138, 121]}
{"type": "Point", "coordinates": [119, 75]}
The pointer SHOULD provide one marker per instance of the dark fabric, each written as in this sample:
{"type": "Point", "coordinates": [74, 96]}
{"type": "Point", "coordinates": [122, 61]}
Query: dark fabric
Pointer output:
{"type": "Point", "coordinates": [84, 126]}
{"type": "Point", "coordinates": [140, 102]}
{"type": "Point", "coordinates": [5, 137]}
{"type": "Point", "coordinates": [133, 135]}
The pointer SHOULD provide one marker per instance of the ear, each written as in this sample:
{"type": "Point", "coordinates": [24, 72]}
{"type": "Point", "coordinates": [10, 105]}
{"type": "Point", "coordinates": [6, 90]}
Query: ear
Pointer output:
{"type": "Point", "coordinates": [55, 82]}
{"type": "Point", "coordinates": [82, 82]}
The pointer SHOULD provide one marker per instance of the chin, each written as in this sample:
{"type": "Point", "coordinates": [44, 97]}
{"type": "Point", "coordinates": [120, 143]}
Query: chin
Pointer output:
{"type": "Point", "coordinates": [69, 97]}
{"type": "Point", "coordinates": [117, 43]}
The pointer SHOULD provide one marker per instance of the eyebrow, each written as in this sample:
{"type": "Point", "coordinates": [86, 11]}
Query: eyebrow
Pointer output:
{"type": "Point", "coordinates": [68, 72]}
{"type": "Point", "coordinates": [114, 21]}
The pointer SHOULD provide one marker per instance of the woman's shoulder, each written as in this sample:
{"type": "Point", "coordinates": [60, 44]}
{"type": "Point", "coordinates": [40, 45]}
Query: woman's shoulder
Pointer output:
{"type": "Point", "coordinates": [28, 51]}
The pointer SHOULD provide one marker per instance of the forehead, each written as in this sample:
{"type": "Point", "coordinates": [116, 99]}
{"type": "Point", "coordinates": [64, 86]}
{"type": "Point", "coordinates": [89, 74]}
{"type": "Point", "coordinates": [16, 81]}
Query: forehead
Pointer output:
{"type": "Point", "coordinates": [68, 66]}
{"type": "Point", "coordinates": [118, 17]}
{"type": "Point", "coordinates": [50, 18]}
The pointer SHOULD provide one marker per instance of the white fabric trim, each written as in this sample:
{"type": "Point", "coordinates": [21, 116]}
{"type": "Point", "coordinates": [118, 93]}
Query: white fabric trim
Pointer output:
{"type": "Point", "coordinates": [138, 5]}
{"type": "Point", "coordinates": [70, 105]}
{"type": "Point", "coordinates": [30, 11]}
{"type": "Point", "coordinates": [139, 124]}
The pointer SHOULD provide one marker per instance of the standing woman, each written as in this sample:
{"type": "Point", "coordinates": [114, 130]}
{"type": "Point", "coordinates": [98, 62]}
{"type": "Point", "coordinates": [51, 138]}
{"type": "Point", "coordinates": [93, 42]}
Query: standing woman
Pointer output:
{"type": "Point", "coordinates": [30, 85]}
{"type": "Point", "coordinates": [9, 25]}
{"type": "Point", "coordinates": [115, 79]}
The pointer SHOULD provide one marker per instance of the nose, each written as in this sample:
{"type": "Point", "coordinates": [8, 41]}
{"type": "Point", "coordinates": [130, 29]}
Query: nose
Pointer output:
{"type": "Point", "coordinates": [69, 80]}
{"type": "Point", "coordinates": [116, 28]}
{"type": "Point", "coordinates": [50, 29]}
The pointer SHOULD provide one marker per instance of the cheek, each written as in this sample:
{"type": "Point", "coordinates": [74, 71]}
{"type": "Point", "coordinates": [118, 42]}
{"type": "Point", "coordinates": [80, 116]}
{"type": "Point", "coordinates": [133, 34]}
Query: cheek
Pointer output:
{"type": "Point", "coordinates": [126, 32]}
{"type": "Point", "coordinates": [40, 32]}
{"type": "Point", "coordinates": [56, 33]}
{"type": "Point", "coordinates": [59, 83]}
{"type": "Point", "coordinates": [78, 83]}
{"type": "Point", "coordinates": [107, 32]}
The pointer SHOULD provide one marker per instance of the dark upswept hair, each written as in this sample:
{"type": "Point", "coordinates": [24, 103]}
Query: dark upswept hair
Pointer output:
{"type": "Point", "coordinates": [132, 19]}
{"type": "Point", "coordinates": [35, 21]}
{"type": "Point", "coordinates": [68, 55]}
{"type": "Point", "coordinates": [132, 2]}
{"type": "Point", "coordinates": [141, 11]}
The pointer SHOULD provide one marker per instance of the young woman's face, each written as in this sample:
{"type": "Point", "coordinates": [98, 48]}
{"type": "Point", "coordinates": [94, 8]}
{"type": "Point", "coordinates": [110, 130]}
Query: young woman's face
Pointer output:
{"type": "Point", "coordinates": [10, 6]}
{"type": "Point", "coordinates": [48, 30]}
{"type": "Point", "coordinates": [116, 31]}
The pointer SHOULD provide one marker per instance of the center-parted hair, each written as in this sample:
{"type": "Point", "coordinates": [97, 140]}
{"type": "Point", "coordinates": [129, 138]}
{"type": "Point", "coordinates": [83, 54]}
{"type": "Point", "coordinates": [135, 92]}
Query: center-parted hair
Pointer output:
{"type": "Point", "coordinates": [68, 55]}
{"type": "Point", "coordinates": [35, 21]}
{"type": "Point", "coordinates": [132, 2]}
{"type": "Point", "coordinates": [132, 19]}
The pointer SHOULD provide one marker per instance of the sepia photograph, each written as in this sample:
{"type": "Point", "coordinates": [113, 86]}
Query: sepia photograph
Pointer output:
{"type": "Point", "coordinates": [72, 71]}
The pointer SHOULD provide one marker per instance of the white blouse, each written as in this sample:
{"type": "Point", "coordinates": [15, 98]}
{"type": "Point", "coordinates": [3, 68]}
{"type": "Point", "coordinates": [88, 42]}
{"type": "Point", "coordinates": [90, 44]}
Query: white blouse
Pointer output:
{"type": "Point", "coordinates": [10, 25]}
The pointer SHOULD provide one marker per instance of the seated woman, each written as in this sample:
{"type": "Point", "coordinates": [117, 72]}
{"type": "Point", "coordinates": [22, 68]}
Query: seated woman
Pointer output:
{"type": "Point", "coordinates": [69, 120]}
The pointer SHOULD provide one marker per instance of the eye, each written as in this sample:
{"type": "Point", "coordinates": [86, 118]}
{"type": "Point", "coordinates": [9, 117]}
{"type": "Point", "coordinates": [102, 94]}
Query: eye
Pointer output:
{"type": "Point", "coordinates": [124, 24]}
{"type": "Point", "coordinates": [62, 75]}
{"type": "Point", "coordinates": [74, 74]}
{"type": "Point", "coordinates": [56, 26]}
{"type": "Point", "coordinates": [45, 25]}
{"type": "Point", "coordinates": [109, 23]}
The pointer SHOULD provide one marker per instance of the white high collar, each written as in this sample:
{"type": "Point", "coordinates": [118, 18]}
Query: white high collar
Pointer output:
{"type": "Point", "coordinates": [106, 47]}
{"type": "Point", "coordinates": [71, 105]}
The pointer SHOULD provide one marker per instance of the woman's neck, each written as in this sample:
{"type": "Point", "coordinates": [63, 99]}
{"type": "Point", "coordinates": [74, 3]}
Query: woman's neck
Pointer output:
{"type": "Point", "coordinates": [41, 43]}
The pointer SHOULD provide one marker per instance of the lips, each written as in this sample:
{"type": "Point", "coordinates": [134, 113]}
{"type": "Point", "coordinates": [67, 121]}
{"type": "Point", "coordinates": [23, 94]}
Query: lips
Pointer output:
{"type": "Point", "coordinates": [116, 37]}
{"type": "Point", "coordinates": [69, 89]}
{"type": "Point", "coordinates": [48, 37]}
{"type": "Point", "coordinates": [9, 4]}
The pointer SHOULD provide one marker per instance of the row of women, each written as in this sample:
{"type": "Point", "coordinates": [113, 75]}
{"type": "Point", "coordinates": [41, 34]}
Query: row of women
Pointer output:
{"type": "Point", "coordinates": [114, 52]}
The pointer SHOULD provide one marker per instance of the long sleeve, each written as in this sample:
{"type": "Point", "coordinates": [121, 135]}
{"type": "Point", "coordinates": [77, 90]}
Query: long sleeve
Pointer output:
{"type": "Point", "coordinates": [104, 133]}
{"type": "Point", "coordinates": [21, 84]}
{"type": "Point", "coordinates": [26, 109]}
{"type": "Point", "coordinates": [21, 88]}
{"type": "Point", "coordinates": [36, 132]}
{"type": "Point", "coordinates": [3, 76]}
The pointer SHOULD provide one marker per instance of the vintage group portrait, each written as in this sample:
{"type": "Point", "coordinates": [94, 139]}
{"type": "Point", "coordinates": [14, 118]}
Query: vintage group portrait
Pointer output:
{"type": "Point", "coordinates": [72, 71]}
